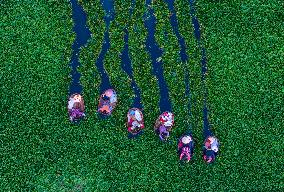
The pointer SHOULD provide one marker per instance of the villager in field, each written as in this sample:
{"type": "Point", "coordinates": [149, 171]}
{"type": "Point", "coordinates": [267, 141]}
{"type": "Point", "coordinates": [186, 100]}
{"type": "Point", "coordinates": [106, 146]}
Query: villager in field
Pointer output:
{"type": "Point", "coordinates": [210, 149]}
{"type": "Point", "coordinates": [164, 125]}
{"type": "Point", "coordinates": [76, 108]}
{"type": "Point", "coordinates": [135, 122]}
{"type": "Point", "coordinates": [185, 147]}
{"type": "Point", "coordinates": [107, 102]}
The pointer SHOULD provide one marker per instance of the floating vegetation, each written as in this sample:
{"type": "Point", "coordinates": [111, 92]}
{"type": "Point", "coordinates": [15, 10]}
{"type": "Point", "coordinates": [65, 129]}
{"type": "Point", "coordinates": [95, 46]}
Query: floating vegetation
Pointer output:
{"type": "Point", "coordinates": [42, 151]}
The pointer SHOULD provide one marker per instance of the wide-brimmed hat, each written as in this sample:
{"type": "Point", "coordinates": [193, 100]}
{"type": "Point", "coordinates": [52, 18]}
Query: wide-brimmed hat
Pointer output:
{"type": "Point", "coordinates": [77, 97]}
{"type": "Point", "coordinates": [109, 92]}
{"type": "Point", "coordinates": [186, 139]}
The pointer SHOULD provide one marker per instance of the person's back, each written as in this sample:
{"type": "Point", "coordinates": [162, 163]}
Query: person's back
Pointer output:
{"type": "Point", "coordinates": [163, 125]}
{"type": "Point", "coordinates": [135, 122]}
{"type": "Point", "coordinates": [107, 102]}
{"type": "Point", "coordinates": [210, 149]}
{"type": "Point", "coordinates": [185, 147]}
{"type": "Point", "coordinates": [76, 108]}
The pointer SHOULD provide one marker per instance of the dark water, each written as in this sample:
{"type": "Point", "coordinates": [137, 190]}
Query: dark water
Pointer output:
{"type": "Point", "coordinates": [127, 66]}
{"type": "Point", "coordinates": [183, 55]}
{"type": "Point", "coordinates": [108, 7]}
{"type": "Point", "coordinates": [195, 22]}
{"type": "Point", "coordinates": [109, 16]}
{"type": "Point", "coordinates": [82, 35]}
{"type": "Point", "coordinates": [156, 54]}
{"type": "Point", "coordinates": [197, 34]}
{"type": "Point", "coordinates": [174, 24]}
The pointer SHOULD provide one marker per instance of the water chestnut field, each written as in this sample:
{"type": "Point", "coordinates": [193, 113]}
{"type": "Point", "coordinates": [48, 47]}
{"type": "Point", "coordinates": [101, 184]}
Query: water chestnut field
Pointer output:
{"type": "Point", "coordinates": [40, 150]}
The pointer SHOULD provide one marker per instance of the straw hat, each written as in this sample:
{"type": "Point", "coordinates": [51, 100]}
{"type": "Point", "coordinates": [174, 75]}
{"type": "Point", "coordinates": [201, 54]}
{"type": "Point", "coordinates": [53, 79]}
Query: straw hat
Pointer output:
{"type": "Point", "coordinates": [186, 139]}
{"type": "Point", "coordinates": [109, 92]}
{"type": "Point", "coordinates": [77, 98]}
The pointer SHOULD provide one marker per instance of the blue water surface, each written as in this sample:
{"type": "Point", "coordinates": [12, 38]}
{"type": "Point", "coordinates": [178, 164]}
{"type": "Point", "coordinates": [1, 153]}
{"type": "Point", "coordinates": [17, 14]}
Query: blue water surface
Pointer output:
{"type": "Point", "coordinates": [109, 16]}
{"type": "Point", "coordinates": [197, 33]}
{"type": "Point", "coordinates": [183, 55]}
{"type": "Point", "coordinates": [83, 34]}
{"type": "Point", "coordinates": [108, 7]}
{"type": "Point", "coordinates": [174, 24]}
{"type": "Point", "coordinates": [127, 66]}
{"type": "Point", "coordinates": [156, 55]}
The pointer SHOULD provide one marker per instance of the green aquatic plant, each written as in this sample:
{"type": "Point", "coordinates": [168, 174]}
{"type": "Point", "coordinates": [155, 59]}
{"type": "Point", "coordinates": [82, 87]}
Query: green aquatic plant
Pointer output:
{"type": "Point", "coordinates": [42, 151]}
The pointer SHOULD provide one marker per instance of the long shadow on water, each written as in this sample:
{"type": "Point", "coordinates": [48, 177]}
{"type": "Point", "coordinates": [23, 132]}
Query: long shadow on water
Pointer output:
{"type": "Point", "coordinates": [82, 35]}
{"type": "Point", "coordinates": [156, 54]}
{"type": "Point", "coordinates": [197, 33]}
{"type": "Point", "coordinates": [127, 66]}
{"type": "Point", "coordinates": [109, 16]}
{"type": "Point", "coordinates": [182, 53]}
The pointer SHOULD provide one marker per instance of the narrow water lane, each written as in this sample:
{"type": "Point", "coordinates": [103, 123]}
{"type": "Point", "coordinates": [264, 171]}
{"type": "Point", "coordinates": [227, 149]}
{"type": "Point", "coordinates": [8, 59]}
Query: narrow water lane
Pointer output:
{"type": "Point", "coordinates": [174, 24]}
{"type": "Point", "coordinates": [127, 67]}
{"type": "Point", "coordinates": [83, 34]}
{"type": "Point", "coordinates": [109, 16]}
{"type": "Point", "coordinates": [183, 55]}
{"type": "Point", "coordinates": [126, 64]}
{"type": "Point", "coordinates": [156, 57]}
{"type": "Point", "coordinates": [197, 34]}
